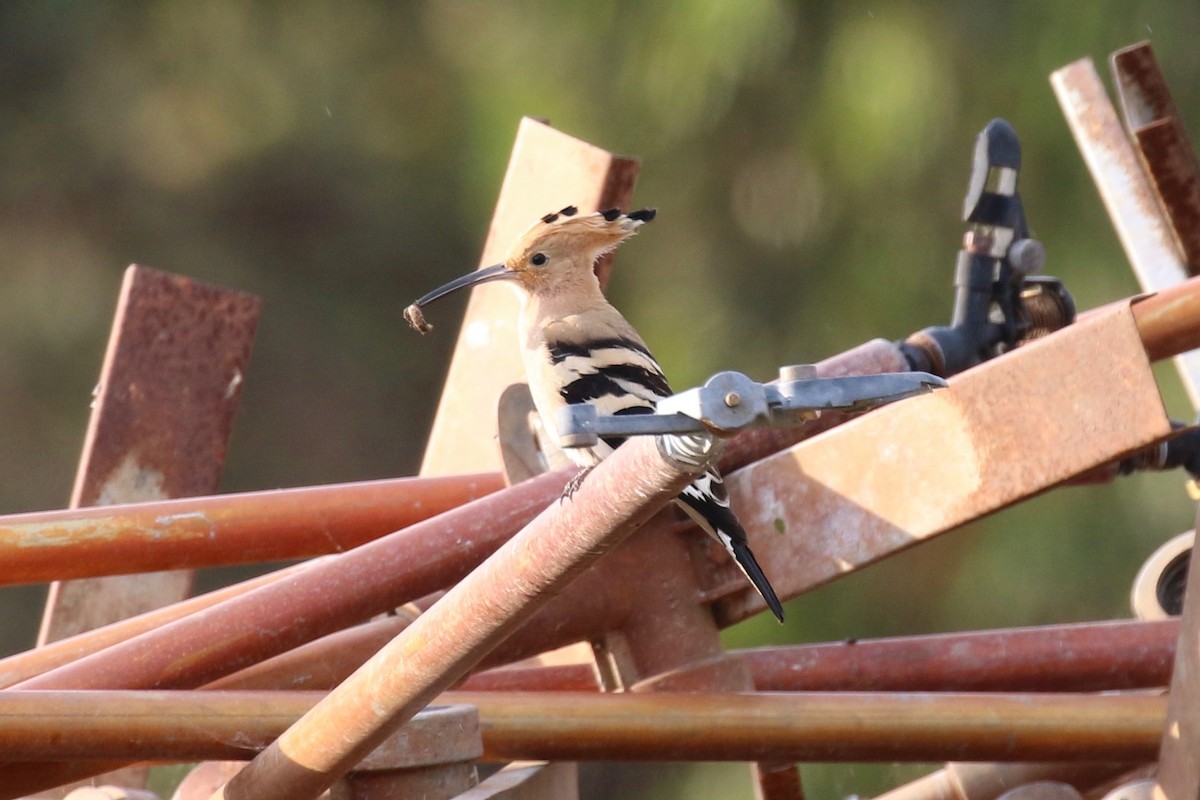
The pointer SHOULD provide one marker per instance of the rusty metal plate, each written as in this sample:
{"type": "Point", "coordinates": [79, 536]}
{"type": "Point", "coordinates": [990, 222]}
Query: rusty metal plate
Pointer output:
{"type": "Point", "coordinates": [1128, 195]}
{"type": "Point", "coordinates": [1003, 431]}
{"type": "Point", "coordinates": [1154, 122]}
{"type": "Point", "coordinates": [1147, 234]}
{"type": "Point", "coordinates": [1179, 753]}
{"type": "Point", "coordinates": [164, 407]}
{"type": "Point", "coordinates": [548, 170]}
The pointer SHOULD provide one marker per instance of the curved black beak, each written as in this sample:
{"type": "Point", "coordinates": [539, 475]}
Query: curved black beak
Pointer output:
{"type": "Point", "coordinates": [497, 272]}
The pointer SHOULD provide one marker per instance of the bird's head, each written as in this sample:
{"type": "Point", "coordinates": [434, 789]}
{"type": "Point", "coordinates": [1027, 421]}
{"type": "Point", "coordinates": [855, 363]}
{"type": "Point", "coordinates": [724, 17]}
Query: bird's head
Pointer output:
{"type": "Point", "coordinates": [556, 254]}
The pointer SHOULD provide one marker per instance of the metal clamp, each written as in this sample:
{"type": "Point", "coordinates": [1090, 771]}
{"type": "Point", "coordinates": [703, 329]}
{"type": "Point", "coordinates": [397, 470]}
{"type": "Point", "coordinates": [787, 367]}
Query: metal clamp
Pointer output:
{"type": "Point", "coordinates": [730, 402]}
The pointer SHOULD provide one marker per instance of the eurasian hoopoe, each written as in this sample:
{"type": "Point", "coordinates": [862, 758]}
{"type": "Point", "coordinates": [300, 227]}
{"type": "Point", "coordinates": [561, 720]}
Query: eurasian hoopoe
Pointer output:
{"type": "Point", "coordinates": [579, 349]}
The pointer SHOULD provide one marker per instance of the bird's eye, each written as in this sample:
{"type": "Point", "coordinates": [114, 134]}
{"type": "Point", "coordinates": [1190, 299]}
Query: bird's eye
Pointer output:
{"type": "Point", "coordinates": [538, 259]}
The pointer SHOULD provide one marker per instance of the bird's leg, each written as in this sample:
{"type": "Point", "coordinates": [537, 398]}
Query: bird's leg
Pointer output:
{"type": "Point", "coordinates": [573, 485]}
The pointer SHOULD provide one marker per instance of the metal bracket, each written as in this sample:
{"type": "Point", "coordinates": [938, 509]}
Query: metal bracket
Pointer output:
{"type": "Point", "coordinates": [730, 402]}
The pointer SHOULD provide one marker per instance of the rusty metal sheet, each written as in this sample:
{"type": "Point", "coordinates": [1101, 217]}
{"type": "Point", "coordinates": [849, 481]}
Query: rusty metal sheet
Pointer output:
{"type": "Point", "coordinates": [1146, 232]}
{"type": "Point", "coordinates": [1003, 431]}
{"type": "Point", "coordinates": [1155, 124]}
{"type": "Point", "coordinates": [548, 170]}
{"type": "Point", "coordinates": [1179, 752]}
{"type": "Point", "coordinates": [1127, 194]}
{"type": "Point", "coordinates": [164, 407]}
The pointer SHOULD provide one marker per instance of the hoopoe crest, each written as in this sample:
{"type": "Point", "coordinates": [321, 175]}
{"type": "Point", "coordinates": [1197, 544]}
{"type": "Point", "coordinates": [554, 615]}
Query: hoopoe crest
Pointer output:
{"type": "Point", "coordinates": [577, 348]}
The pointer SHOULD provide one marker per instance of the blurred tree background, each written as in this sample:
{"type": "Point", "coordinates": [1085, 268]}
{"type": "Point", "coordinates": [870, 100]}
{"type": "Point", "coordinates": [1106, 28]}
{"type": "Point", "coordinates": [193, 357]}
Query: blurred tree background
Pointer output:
{"type": "Point", "coordinates": [339, 159]}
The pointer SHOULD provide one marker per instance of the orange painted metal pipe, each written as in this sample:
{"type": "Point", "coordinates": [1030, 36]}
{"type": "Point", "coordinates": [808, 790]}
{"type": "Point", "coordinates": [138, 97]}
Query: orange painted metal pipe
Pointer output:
{"type": "Point", "coordinates": [841, 726]}
{"type": "Point", "coordinates": [223, 529]}
{"type": "Point", "coordinates": [443, 644]}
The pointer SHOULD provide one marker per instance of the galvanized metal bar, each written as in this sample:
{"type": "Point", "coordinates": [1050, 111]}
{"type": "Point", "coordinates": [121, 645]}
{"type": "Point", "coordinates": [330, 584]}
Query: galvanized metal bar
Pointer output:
{"type": "Point", "coordinates": [160, 424]}
{"type": "Point", "coordinates": [1145, 231]}
{"type": "Point", "coordinates": [699, 726]}
{"type": "Point", "coordinates": [1003, 431]}
{"type": "Point", "coordinates": [548, 170]}
{"type": "Point", "coordinates": [1179, 751]}
{"type": "Point", "coordinates": [1154, 122]}
{"type": "Point", "coordinates": [442, 645]}
{"type": "Point", "coordinates": [219, 530]}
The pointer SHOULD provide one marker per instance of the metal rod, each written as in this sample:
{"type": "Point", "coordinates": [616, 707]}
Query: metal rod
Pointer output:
{"type": "Point", "coordinates": [224, 529]}
{"type": "Point", "coordinates": [1079, 658]}
{"type": "Point", "coordinates": [1082, 657]}
{"type": "Point", "coordinates": [23, 666]}
{"type": "Point", "coordinates": [323, 597]}
{"type": "Point", "coordinates": [825, 727]}
{"type": "Point", "coordinates": [1169, 320]}
{"type": "Point", "coordinates": [317, 599]}
{"type": "Point", "coordinates": [447, 541]}
{"type": "Point", "coordinates": [700, 726]}
{"type": "Point", "coordinates": [445, 642]}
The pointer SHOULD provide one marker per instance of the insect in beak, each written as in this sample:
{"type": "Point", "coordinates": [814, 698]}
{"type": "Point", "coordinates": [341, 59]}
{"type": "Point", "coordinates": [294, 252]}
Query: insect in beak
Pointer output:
{"type": "Point", "coordinates": [496, 272]}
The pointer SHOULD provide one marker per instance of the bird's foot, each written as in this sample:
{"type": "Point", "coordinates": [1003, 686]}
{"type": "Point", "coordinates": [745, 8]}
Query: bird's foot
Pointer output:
{"type": "Point", "coordinates": [573, 485]}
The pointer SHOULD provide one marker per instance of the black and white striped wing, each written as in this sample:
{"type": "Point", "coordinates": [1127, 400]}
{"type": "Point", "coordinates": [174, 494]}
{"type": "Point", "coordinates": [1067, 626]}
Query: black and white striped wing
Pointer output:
{"type": "Point", "coordinates": [616, 375]}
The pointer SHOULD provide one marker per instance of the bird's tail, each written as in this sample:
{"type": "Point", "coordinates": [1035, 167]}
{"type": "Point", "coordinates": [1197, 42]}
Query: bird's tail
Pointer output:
{"type": "Point", "coordinates": [749, 566]}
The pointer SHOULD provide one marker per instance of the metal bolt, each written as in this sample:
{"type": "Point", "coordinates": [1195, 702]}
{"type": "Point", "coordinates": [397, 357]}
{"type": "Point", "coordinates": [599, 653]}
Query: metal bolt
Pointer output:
{"type": "Point", "coordinates": [733, 400]}
{"type": "Point", "coordinates": [1028, 256]}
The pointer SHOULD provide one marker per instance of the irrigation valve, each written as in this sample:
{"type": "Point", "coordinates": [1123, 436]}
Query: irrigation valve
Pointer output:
{"type": "Point", "coordinates": [1000, 299]}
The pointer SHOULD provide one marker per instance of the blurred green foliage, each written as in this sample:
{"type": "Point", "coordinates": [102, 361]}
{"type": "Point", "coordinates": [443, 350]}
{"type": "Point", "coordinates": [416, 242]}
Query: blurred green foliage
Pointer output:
{"type": "Point", "coordinates": [338, 159]}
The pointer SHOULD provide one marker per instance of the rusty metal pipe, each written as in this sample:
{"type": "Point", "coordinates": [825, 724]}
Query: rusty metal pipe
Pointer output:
{"type": "Point", "coordinates": [574, 726]}
{"type": "Point", "coordinates": [1169, 320]}
{"type": "Point", "coordinates": [318, 599]}
{"type": "Point", "coordinates": [23, 666]}
{"type": "Point", "coordinates": [440, 646]}
{"type": "Point", "coordinates": [819, 726]}
{"type": "Point", "coordinates": [221, 530]}
{"type": "Point", "coordinates": [701, 726]}
{"type": "Point", "coordinates": [1078, 658]}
